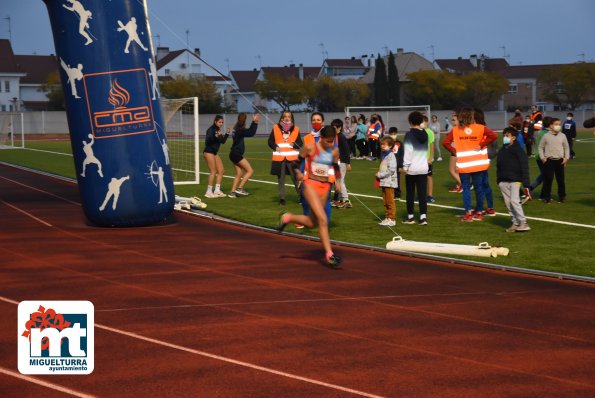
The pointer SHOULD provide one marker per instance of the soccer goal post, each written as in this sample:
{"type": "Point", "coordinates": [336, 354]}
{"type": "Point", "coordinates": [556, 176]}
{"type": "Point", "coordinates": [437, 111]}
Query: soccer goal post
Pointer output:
{"type": "Point", "coordinates": [182, 127]}
{"type": "Point", "coordinates": [12, 130]}
{"type": "Point", "coordinates": [392, 116]}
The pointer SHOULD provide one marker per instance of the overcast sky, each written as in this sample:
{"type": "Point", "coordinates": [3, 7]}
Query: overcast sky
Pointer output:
{"type": "Point", "coordinates": [248, 34]}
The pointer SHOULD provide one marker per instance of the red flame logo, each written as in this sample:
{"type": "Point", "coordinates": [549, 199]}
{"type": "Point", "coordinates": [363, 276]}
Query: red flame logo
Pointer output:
{"type": "Point", "coordinates": [118, 95]}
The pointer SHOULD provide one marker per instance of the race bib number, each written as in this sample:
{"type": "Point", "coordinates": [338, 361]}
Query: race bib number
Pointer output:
{"type": "Point", "coordinates": [320, 170]}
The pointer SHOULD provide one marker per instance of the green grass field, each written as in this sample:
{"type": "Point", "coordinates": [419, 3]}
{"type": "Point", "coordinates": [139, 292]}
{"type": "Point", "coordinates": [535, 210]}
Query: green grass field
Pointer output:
{"type": "Point", "coordinates": [548, 246]}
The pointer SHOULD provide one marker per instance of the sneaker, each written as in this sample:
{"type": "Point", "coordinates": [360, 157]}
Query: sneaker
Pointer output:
{"type": "Point", "coordinates": [489, 213]}
{"type": "Point", "coordinates": [467, 217]}
{"type": "Point", "coordinates": [431, 199]}
{"type": "Point", "coordinates": [456, 189]}
{"type": "Point", "coordinates": [524, 227]}
{"type": "Point", "coordinates": [299, 226]}
{"type": "Point", "coordinates": [339, 204]}
{"type": "Point", "coordinates": [219, 194]}
{"type": "Point", "coordinates": [383, 223]}
{"type": "Point", "coordinates": [439, 159]}
{"type": "Point", "coordinates": [333, 261]}
{"type": "Point", "coordinates": [232, 195]}
{"type": "Point", "coordinates": [391, 223]}
{"type": "Point", "coordinates": [409, 220]}
{"type": "Point", "coordinates": [512, 228]}
{"type": "Point", "coordinates": [423, 221]}
{"type": "Point", "coordinates": [242, 192]}
{"type": "Point", "coordinates": [562, 200]}
{"type": "Point", "coordinates": [477, 216]}
{"type": "Point", "coordinates": [210, 195]}
{"type": "Point", "coordinates": [281, 224]}
{"type": "Point", "coordinates": [334, 203]}
{"type": "Point", "coordinates": [347, 204]}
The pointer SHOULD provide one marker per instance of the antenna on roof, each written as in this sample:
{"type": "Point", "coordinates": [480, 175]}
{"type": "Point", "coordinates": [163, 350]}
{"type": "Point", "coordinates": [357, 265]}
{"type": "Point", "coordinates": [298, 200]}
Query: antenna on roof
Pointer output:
{"type": "Point", "coordinates": [9, 29]}
{"type": "Point", "coordinates": [582, 55]}
{"type": "Point", "coordinates": [504, 55]}
{"type": "Point", "coordinates": [259, 61]}
{"type": "Point", "coordinates": [158, 39]}
{"type": "Point", "coordinates": [324, 53]}
{"type": "Point", "coordinates": [431, 46]}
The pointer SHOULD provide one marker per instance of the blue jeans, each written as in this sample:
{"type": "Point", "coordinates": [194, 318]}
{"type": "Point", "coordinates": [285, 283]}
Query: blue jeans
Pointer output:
{"type": "Point", "coordinates": [466, 179]}
{"type": "Point", "coordinates": [483, 179]}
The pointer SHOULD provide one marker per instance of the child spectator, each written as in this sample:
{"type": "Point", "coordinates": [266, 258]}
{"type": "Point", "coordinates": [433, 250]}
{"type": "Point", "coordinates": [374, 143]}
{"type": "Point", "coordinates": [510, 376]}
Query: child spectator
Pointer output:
{"type": "Point", "coordinates": [569, 130]}
{"type": "Point", "coordinates": [387, 176]}
{"type": "Point", "coordinates": [415, 166]}
{"type": "Point", "coordinates": [344, 165]}
{"type": "Point", "coordinates": [431, 139]}
{"type": "Point", "coordinates": [360, 137]}
{"type": "Point", "coordinates": [554, 153]}
{"type": "Point", "coordinates": [398, 151]}
{"type": "Point", "coordinates": [512, 170]}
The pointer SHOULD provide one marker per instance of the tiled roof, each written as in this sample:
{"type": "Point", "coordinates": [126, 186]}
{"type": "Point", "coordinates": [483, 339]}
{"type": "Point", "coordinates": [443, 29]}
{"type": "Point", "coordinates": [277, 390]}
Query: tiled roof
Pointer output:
{"type": "Point", "coordinates": [245, 79]}
{"type": "Point", "coordinates": [7, 61]}
{"type": "Point", "coordinates": [168, 58]}
{"type": "Point", "coordinates": [37, 67]}
{"type": "Point", "coordinates": [344, 63]}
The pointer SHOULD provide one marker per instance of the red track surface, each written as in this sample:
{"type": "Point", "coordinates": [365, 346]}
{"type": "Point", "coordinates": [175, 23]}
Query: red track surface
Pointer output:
{"type": "Point", "coordinates": [201, 308]}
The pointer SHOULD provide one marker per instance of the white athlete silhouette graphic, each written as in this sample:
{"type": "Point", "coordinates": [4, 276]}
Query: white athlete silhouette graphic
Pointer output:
{"type": "Point", "coordinates": [162, 190]}
{"type": "Point", "coordinates": [73, 74]}
{"type": "Point", "coordinates": [131, 28]}
{"type": "Point", "coordinates": [113, 189]}
{"type": "Point", "coordinates": [83, 15]}
{"type": "Point", "coordinates": [90, 156]}
{"type": "Point", "coordinates": [154, 78]}
{"type": "Point", "coordinates": [165, 151]}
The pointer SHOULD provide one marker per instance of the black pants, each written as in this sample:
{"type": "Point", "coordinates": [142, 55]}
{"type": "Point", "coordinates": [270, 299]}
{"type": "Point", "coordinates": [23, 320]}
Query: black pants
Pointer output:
{"type": "Point", "coordinates": [361, 146]}
{"type": "Point", "coordinates": [419, 183]}
{"type": "Point", "coordinates": [570, 145]}
{"type": "Point", "coordinates": [551, 168]}
{"type": "Point", "coordinates": [374, 148]}
{"type": "Point", "coordinates": [351, 143]}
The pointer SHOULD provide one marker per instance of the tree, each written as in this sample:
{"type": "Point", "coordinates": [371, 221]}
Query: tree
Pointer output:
{"type": "Point", "coordinates": [330, 95]}
{"type": "Point", "coordinates": [568, 85]}
{"type": "Point", "coordinates": [439, 89]}
{"type": "Point", "coordinates": [380, 83]}
{"type": "Point", "coordinates": [182, 87]}
{"type": "Point", "coordinates": [482, 87]}
{"type": "Point", "coordinates": [285, 92]}
{"type": "Point", "coordinates": [54, 92]}
{"type": "Point", "coordinates": [394, 94]}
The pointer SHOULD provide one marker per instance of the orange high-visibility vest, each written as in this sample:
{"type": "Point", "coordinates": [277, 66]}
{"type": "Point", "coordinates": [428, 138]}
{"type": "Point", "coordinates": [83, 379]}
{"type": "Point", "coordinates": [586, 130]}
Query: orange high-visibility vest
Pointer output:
{"type": "Point", "coordinates": [470, 157]}
{"type": "Point", "coordinates": [539, 124]}
{"type": "Point", "coordinates": [314, 168]}
{"type": "Point", "coordinates": [286, 150]}
{"type": "Point", "coordinates": [374, 135]}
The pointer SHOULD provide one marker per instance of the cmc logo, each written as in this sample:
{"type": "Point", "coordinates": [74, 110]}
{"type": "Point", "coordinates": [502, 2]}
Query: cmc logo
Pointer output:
{"type": "Point", "coordinates": [56, 337]}
{"type": "Point", "coordinates": [119, 103]}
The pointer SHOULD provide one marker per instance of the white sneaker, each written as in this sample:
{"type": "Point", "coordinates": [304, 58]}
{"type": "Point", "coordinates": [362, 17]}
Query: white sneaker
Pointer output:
{"type": "Point", "coordinates": [383, 222]}
{"type": "Point", "coordinates": [390, 223]}
{"type": "Point", "coordinates": [219, 194]}
{"type": "Point", "coordinates": [210, 195]}
{"type": "Point", "coordinates": [439, 159]}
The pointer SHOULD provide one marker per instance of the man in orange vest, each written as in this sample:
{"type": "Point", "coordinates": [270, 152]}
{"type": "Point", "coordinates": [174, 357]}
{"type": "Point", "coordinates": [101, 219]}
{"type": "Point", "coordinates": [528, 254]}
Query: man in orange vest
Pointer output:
{"type": "Point", "coordinates": [285, 141]}
{"type": "Point", "coordinates": [471, 141]}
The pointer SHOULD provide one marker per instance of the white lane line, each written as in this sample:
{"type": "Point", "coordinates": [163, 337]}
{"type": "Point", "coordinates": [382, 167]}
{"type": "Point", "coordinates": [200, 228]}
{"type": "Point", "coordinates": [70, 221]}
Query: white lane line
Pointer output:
{"type": "Point", "coordinates": [40, 190]}
{"type": "Point", "coordinates": [236, 362]}
{"type": "Point", "coordinates": [27, 214]}
{"type": "Point", "coordinates": [223, 359]}
{"type": "Point", "coordinates": [46, 384]}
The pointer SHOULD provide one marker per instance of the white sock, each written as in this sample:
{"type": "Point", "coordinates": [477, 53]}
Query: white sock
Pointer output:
{"type": "Point", "coordinates": [422, 216]}
{"type": "Point", "coordinates": [410, 216]}
{"type": "Point", "coordinates": [217, 187]}
{"type": "Point", "coordinates": [209, 188]}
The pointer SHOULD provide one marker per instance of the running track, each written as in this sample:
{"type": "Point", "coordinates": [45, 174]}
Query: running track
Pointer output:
{"type": "Point", "coordinates": [201, 308]}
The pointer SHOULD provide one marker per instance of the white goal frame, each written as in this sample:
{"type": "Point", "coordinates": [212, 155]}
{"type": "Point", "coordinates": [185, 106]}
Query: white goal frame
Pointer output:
{"type": "Point", "coordinates": [7, 126]}
{"type": "Point", "coordinates": [178, 120]}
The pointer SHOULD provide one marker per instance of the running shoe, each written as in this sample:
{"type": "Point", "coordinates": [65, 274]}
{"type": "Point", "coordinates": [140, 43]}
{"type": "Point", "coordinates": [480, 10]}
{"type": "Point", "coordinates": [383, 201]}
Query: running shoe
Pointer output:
{"type": "Point", "coordinates": [456, 189]}
{"type": "Point", "coordinates": [347, 204]}
{"type": "Point", "coordinates": [523, 228]}
{"type": "Point", "coordinates": [423, 221]}
{"type": "Point", "coordinates": [333, 261]}
{"type": "Point", "coordinates": [489, 213]}
{"type": "Point", "coordinates": [430, 199]}
{"type": "Point", "coordinates": [512, 228]}
{"type": "Point", "coordinates": [477, 216]}
{"type": "Point", "coordinates": [232, 195]}
{"type": "Point", "coordinates": [210, 195]}
{"type": "Point", "coordinates": [467, 217]}
{"type": "Point", "coordinates": [409, 220]}
{"type": "Point", "coordinates": [281, 225]}
{"type": "Point", "coordinates": [242, 192]}
{"type": "Point", "coordinates": [299, 226]}
{"type": "Point", "coordinates": [218, 194]}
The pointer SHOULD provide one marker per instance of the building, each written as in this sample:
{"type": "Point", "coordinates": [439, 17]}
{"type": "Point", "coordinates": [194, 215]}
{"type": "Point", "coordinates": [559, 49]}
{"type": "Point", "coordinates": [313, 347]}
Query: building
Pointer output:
{"type": "Point", "coordinates": [10, 77]}
{"type": "Point", "coordinates": [342, 69]}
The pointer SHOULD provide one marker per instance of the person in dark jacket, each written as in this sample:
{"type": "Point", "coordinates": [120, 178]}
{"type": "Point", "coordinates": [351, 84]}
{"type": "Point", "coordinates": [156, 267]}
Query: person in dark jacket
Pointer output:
{"type": "Point", "coordinates": [236, 154]}
{"type": "Point", "coordinates": [286, 142]}
{"type": "Point", "coordinates": [213, 140]}
{"type": "Point", "coordinates": [569, 130]}
{"type": "Point", "coordinates": [512, 171]}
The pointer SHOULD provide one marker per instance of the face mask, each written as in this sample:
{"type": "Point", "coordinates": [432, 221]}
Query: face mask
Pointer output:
{"type": "Point", "coordinates": [557, 128]}
{"type": "Point", "coordinates": [316, 126]}
{"type": "Point", "coordinates": [568, 118]}
{"type": "Point", "coordinates": [423, 125]}
{"type": "Point", "coordinates": [393, 136]}
{"type": "Point", "coordinates": [286, 125]}
{"type": "Point", "coordinates": [506, 140]}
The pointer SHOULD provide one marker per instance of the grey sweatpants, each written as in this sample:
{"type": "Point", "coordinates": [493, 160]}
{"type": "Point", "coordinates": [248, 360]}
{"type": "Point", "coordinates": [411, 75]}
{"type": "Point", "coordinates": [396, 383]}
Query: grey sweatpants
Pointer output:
{"type": "Point", "coordinates": [340, 182]}
{"type": "Point", "coordinates": [512, 200]}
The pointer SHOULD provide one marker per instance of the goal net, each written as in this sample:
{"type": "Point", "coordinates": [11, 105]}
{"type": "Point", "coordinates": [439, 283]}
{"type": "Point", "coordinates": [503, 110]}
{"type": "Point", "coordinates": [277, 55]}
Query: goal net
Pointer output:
{"type": "Point", "coordinates": [392, 116]}
{"type": "Point", "coordinates": [181, 126]}
{"type": "Point", "coordinates": [11, 130]}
